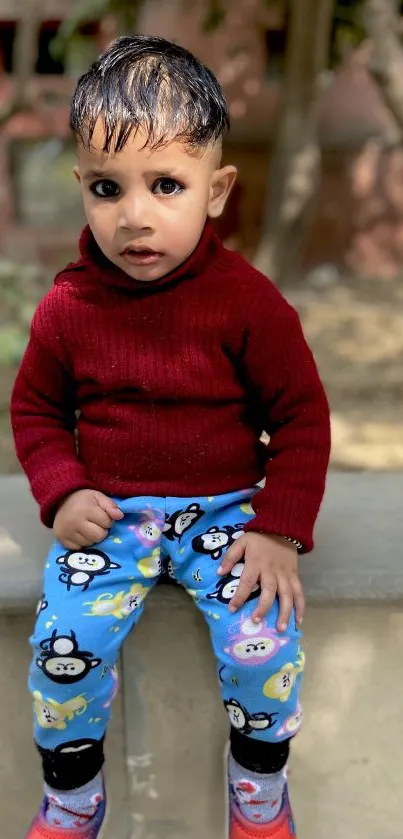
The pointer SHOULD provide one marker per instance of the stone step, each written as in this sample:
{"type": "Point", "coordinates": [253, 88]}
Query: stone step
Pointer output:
{"type": "Point", "coordinates": [358, 554]}
{"type": "Point", "coordinates": [346, 770]}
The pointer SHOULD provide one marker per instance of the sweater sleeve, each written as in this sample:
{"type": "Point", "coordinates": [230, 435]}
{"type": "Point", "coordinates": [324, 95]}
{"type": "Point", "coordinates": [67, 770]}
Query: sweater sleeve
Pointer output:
{"type": "Point", "coordinates": [43, 420]}
{"type": "Point", "coordinates": [292, 408]}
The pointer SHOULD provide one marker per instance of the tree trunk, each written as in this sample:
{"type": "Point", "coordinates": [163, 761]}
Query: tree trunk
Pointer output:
{"type": "Point", "coordinates": [382, 23]}
{"type": "Point", "coordinates": [295, 165]}
{"type": "Point", "coordinates": [24, 58]}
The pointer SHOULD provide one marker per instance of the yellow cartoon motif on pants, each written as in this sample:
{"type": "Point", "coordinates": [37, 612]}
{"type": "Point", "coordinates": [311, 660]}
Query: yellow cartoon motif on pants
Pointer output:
{"type": "Point", "coordinates": [52, 714]}
{"type": "Point", "coordinates": [151, 566]}
{"type": "Point", "coordinates": [280, 685]}
{"type": "Point", "coordinates": [120, 605]}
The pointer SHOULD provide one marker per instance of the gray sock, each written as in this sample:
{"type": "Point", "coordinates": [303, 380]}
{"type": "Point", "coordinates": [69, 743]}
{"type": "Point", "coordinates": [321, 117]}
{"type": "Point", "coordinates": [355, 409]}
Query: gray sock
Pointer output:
{"type": "Point", "coordinates": [258, 797]}
{"type": "Point", "coordinates": [75, 807]}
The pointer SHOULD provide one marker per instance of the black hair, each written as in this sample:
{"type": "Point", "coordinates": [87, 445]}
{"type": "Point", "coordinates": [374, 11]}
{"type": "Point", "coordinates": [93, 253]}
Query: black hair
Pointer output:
{"type": "Point", "coordinates": [153, 84]}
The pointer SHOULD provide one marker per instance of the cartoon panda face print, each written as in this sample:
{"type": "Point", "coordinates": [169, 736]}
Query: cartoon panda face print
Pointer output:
{"type": "Point", "coordinates": [217, 539]}
{"type": "Point", "coordinates": [227, 587]}
{"type": "Point", "coordinates": [179, 522]}
{"type": "Point", "coordinates": [80, 568]}
{"type": "Point", "coordinates": [236, 713]}
{"type": "Point", "coordinates": [93, 562]}
{"type": "Point", "coordinates": [247, 723]}
{"type": "Point", "coordinates": [62, 661]}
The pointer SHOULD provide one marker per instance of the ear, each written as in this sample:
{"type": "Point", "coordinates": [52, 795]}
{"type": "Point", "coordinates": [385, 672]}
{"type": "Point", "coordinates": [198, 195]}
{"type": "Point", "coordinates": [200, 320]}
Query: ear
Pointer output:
{"type": "Point", "coordinates": [60, 560]}
{"type": "Point", "coordinates": [39, 662]}
{"type": "Point", "coordinates": [114, 565]}
{"type": "Point", "coordinates": [77, 174]}
{"type": "Point", "coordinates": [95, 662]}
{"type": "Point", "coordinates": [221, 184]}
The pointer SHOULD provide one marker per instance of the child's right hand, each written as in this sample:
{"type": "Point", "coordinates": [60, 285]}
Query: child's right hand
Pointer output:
{"type": "Point", "coordinates": [84, 519]}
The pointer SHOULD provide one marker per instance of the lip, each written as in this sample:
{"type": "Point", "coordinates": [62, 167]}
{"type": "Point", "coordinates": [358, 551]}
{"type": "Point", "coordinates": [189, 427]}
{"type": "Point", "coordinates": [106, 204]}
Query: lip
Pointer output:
{"type": "Point", "coordinates": [141, 255]}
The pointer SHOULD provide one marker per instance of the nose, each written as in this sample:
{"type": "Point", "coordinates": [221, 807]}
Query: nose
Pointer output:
{"type": "Point", "coordinates": [135, 212]}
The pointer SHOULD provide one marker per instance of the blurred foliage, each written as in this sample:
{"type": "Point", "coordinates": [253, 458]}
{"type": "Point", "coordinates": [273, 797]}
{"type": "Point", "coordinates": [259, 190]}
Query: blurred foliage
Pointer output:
{"type": "Point", "coordinates": [216, 14]}
{"type": "Point", "coordinates": [347, 31]}
{"type": "Point", "coordinates": [22, 286]}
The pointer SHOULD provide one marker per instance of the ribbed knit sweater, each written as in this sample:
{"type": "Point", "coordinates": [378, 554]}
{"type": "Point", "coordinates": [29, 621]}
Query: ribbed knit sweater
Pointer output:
{"type": "Point", "coordinates": [164, 388]}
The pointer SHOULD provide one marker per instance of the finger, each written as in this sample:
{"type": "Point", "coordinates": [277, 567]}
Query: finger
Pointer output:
{"type": "Point", "coordinates": [267, 597]}
{"type": "Point", "coordinates": [233, 555]}
{"type": "Point", "coordinates": [246, 583]}
{"type": "Point", "coordinates": [91, 534]}
{"type": "Point", "coordinates": [286, 598]}
{"type": "Point", "coordinates": [96, 515]}
{"type": "Point", "coordinates": [299, 599]}
{"type": "Point", "coordinates": [71, 544]}
{"type": "Point", "coordinates": [109, 506]}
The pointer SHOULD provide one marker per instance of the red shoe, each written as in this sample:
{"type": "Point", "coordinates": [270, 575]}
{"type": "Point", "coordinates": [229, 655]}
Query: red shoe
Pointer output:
{"type": "Point", "coordinates": [281, 828]}
{"type": "Point", "coordinates": [41, 829]}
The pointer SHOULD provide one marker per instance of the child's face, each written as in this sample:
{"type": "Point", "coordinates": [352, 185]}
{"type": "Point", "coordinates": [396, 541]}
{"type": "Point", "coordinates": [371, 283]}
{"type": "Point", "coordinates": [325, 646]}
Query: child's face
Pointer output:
{"type": "Point", "coordinates": [147, 208]}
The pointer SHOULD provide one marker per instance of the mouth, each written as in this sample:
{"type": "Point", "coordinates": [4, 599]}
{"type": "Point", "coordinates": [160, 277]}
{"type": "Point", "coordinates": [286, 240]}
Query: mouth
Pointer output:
{"type": "Point", "coordinates": [138, 255]}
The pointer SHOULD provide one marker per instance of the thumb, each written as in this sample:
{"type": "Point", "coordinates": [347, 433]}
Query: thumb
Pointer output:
{"type": "Point", "coordinates": [233, 555]}
{"type": "Point", "coordinates": [108, 506]}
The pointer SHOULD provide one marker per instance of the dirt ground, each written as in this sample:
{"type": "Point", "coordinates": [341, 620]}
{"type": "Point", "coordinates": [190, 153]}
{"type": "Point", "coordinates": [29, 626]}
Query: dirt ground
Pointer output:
{"type": "Point", "coordinates": [355, 328]}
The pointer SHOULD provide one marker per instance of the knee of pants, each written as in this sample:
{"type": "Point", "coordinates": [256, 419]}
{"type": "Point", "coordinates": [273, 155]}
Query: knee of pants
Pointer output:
{"type": "Point", "coordinates": [260, 673]}
{"type": "Point", "coordinates": [63, 658]}
{"type": "Point", "coordinates": [72, 688]}
{"type": "Point", "coordinates": [260, 655]}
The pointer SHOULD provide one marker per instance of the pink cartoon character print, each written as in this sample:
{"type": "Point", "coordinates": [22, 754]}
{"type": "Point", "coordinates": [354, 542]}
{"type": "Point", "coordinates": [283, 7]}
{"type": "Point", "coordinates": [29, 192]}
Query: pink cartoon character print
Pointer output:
{"type": "Point", "coordinates": [149, 528]}
{"type": "Point", "coordinates": [291, 725]}
{"type": "Point", "coordinates": [115, 686]}
{"type": "Point", "coordinates": [254, 643]}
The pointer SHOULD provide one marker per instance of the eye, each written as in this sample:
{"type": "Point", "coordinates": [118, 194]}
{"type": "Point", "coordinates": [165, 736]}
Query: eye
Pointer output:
{"type": "Point", "coordinates": [167, 186]}
{"type": "Point", "coordinates": [105, 189]}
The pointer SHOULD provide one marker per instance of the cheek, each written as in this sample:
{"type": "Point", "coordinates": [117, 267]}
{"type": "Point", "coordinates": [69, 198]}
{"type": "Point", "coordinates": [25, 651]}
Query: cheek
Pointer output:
{"type": "Point", "coordinates": [102, 219]}
{"type": "Point", "coordinates": [191, 207]}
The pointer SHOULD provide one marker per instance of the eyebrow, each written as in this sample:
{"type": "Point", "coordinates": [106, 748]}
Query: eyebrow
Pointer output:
{"type": "Point", "coordinates": [94, 174]}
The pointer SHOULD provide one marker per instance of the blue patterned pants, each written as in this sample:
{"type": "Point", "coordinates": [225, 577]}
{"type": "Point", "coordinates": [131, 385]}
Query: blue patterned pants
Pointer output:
{"type": "Point", "coordinates": [94, 597]}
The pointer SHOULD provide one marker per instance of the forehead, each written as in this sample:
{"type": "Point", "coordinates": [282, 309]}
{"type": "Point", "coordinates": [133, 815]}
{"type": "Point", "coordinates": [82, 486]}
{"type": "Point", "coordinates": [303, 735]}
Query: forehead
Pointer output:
{"type": "Point", "coordinates": [137, 157]}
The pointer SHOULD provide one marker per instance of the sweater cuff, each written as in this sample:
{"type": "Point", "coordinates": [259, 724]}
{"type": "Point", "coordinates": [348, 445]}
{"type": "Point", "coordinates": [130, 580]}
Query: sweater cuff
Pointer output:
{"type": "Point", "coordinates": [295, 532]}
{"type": "Point", "coordinates": [60, 481]}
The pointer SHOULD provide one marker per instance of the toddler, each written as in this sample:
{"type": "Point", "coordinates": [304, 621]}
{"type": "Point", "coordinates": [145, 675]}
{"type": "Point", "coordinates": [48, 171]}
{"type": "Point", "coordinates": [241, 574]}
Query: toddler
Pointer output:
{"type": "Point", "coordinates": [154, 365]}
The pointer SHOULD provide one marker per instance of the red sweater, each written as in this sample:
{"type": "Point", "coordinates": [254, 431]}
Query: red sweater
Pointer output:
{"type": "Point", "coordinates": [169, 385]}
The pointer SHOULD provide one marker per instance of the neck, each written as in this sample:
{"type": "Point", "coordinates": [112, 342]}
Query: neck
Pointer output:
{"type": "Point", "coordinates": [106, 273]}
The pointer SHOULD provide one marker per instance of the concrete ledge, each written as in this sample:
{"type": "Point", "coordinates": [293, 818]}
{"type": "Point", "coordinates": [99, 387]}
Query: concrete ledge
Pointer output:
{"type": "Point", "coordinates": [358, 552]}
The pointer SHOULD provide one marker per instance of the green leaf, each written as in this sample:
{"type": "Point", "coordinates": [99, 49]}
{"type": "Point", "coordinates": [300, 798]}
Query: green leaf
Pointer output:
{"type": "Point", "coordinates": [13, 341]}
{"type": "Point", "coordinates": [83, 11]}
{"type": "Point", "coordinates": [215, 17]}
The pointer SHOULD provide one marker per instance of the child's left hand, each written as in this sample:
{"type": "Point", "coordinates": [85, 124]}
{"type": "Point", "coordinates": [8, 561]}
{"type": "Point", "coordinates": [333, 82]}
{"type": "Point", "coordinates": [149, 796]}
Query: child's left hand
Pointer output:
{"type": "Point", "coordinates": [272, 562]}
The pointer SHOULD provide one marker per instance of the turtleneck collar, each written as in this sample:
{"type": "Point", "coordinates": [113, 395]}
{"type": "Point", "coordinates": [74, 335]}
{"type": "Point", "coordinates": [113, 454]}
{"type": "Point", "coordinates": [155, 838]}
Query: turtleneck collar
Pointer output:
{"type": "Point", "coordinates": [104, 272]}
